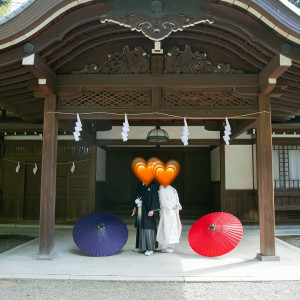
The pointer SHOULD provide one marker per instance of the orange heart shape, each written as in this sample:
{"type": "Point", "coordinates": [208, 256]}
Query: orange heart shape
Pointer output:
{"type": "Point", "coordinates": [153, 162]}
{"type": "Point", "coordinates": [166, 174]}
{"type": "Point", "coordinates": [155, 168]}
{"type": "Point", "coordinates": [142, 171]}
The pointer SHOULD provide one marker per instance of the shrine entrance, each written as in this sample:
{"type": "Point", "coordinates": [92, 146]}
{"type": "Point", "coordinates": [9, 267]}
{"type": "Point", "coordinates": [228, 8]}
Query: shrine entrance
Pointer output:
{"type": "Point", "coordinates": [193, 183]}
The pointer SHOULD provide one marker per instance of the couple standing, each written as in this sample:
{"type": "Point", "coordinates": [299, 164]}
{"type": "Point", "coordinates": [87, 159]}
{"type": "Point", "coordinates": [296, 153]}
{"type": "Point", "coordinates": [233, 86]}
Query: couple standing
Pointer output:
{"type": "Point", "coordinates": [147, 204]}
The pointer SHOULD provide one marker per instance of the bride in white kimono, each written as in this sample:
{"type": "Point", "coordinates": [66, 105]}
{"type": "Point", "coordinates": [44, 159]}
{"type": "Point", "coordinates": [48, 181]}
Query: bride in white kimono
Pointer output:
{"type": "Point", "coordinates": [169, 228]}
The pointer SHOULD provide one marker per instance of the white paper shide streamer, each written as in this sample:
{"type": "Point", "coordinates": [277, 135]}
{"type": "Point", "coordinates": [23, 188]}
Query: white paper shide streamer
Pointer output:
{"type": "Point", "coordinates": [227, 132]}
{"type": "Point", "coordinates": [18, 168]}
{"type": "Point", "coordinates": [77, 128]}
{"type": "Point", "coordinates": [35, 169]}
{"type": "Point", "coordinates": [73, 168]}
{"type": "Point", "coordinates": [185, 133]}
{"type": "Point", "coordinates": [125, 130]}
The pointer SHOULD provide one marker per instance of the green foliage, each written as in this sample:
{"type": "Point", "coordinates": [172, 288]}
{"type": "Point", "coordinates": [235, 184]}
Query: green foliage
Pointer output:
{"type": "Point", "coordinates": [4, 7]}
{"type": "Point", "coordinates": [4, 2]}
{"type": "Point", "coordinates": [295, 2]}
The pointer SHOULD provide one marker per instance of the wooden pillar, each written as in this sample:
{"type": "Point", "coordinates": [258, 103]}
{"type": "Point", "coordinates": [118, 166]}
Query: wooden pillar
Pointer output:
{"type": "Point", "coordinates": [48, 180]}
{"type": "Point", "coordinates": [265, 180]}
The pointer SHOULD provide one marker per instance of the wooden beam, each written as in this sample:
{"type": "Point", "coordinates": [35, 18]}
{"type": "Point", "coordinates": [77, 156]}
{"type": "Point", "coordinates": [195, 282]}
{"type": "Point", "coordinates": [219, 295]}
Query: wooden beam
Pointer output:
{"type": "Point", "coordinates": [11, 127]}
{"type": "Point", "coordinates": [246, 91]}
{"type": "Point", "coordinates": [137, 114]}
{"type": "Point", "coordinates": [265, 181]}
{"type": "Point", "coordinates": [173, 142]}
{"type": "Point", "coordinates": [48, 181]}
{"type": "Point", "coordinates": [46, 77]}
{"type": "Point", "coordinates": [272, 71]}
{"type": "Point", "coordinates": [241, 128]}
{"type": "Point", "coordinates": [166, 80]}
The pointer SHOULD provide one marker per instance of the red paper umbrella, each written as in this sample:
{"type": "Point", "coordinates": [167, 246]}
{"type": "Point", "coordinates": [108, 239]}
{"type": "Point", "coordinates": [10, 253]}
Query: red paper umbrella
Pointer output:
{"type": "Point", "coordinates": [215, 234]}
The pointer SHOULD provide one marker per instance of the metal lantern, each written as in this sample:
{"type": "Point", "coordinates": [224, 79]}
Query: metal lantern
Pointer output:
{"type": "Point", "coordinates": [157, 135]}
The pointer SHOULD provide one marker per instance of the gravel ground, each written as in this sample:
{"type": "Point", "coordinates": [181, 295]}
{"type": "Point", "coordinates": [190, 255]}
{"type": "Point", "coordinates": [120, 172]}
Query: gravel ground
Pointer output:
{"type": "Point", "coordinates": [291, 239]}
{"type": "Point", "coordinates": [75, 289]}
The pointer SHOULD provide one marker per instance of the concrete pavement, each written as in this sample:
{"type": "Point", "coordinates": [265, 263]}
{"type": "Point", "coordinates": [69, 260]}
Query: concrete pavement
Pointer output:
{"type": "Point", "coordinates": [184, 265]}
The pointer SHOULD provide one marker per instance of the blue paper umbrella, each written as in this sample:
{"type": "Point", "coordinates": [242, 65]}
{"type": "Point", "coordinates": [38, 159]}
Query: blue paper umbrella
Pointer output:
{"type": "Point", "coordinates": [100, 234]}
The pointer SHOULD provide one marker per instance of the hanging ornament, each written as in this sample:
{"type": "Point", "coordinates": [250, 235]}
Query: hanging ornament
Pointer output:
{"type": "Point", "coordinates": [77, 128]}
{"type": "Point", "coordinates": [73, 168]}
{"type": "Point", "coordinates": [125, 130]}
{"type": "Point", "coordinates": [18, 168]}
{"type": "Point", "coordinates": [185, 133]}
{"type": "Point", "coordinates": [227, 132]}
{"type": "Point", "coordinates": [35, 169]}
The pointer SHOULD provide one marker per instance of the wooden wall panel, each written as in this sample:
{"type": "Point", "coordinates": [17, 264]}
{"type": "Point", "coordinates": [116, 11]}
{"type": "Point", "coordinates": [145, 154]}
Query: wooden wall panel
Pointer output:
{"type": "Point", "coordinates": [61, 191]}
{"type": "Point", "coordinates": [216, 196]}
{"type": "Point", "coordinates": [13, 191]}
{"type": "Point", "coordinates": [242, 204]}
{"type": "Point", "coordinates": [78, 190]}
{"type": "Point", "coordinates": [32, 191]}
{"type": "Point", "coordinates": [118, 189]}
{"type": "Point", "coordinates": [197, 182]}
{"type": "Point", "coordinates": [21, 191]}
{"type": "Point", "coordinates": [285, 201]}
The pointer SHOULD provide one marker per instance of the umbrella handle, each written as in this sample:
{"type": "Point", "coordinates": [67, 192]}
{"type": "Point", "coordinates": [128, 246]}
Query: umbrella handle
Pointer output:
{"type": "Point", "coordinates": [101, 226]}
{"type": "Point", "coordinates": [212, 227]}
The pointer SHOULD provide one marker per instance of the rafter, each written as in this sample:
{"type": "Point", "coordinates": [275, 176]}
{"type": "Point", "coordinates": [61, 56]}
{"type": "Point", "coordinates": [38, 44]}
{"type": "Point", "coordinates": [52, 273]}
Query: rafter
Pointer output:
{"type": "Point", "coordinates": [273, 70]}
{"type": "Point", "coordinates": [46, 77]}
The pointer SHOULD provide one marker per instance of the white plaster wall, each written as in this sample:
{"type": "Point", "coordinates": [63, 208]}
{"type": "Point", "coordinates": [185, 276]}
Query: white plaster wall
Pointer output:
{"type": "Point", "coordinates": [101, 165]}
{"type": "Point", "coordinates": [215, 164]}
{"type": "Point", "coordinates": [238, 167]}
{"type": "Point", "coordinates": [174, 132]}
{"type": "Point", "coordinates": [254, 168]}
{"type": "Point", "coordinates": [244, 136]}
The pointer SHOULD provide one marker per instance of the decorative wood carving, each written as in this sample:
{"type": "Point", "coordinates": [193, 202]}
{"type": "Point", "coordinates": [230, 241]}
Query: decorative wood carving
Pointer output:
{"type": "Point", "coordinates": [205, 99]}
{"type": "Point", "coordinates": [157, 29]}
{"type": "Point", "coordinates": [176, 61]}
{"type": "Point", "coordinates": [126, 62]}
{"type": "Point", "coordinates": [188, 62]}
{"type": "Point", "coordinates": [157, 65]}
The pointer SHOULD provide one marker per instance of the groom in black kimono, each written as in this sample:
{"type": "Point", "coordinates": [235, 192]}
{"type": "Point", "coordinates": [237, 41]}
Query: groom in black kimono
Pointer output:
{"type": "Point", "coordinates": [146, 206]}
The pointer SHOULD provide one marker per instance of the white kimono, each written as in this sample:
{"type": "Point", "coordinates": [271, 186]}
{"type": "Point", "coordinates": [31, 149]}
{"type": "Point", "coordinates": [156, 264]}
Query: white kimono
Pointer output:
{"type": "Point", "coordinates": [169, 228]}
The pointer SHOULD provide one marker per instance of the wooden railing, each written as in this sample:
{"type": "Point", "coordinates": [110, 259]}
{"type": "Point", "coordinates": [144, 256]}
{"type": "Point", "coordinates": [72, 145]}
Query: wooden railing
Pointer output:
{"type": "Point", "coordinates": [287, 184]}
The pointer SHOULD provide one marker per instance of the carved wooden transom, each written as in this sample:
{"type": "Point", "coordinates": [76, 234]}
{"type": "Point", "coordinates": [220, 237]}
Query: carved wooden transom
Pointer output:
{"type": "Point", "coordinates": [108, 99]}
{"type": "Point", "coordinates": [176, 61]}
{"type": "Point", "coordinates": [143, 99]}
{"type": "Point", "coordinates": [205, 99]}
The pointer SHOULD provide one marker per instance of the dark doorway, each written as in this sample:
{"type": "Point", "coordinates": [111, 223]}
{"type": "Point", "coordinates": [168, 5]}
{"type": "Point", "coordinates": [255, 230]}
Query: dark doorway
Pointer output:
{"type": "Point", "coordinates": [193, 183]}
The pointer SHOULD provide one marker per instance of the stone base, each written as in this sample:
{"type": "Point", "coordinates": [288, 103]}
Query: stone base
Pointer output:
{"type": "Point", "coordinates": [46, 256]}
{"type": "Point", "coordinates": [267, 257]}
